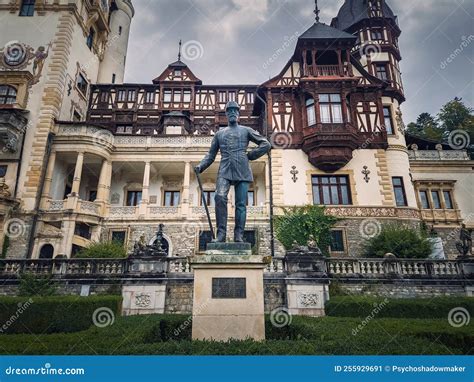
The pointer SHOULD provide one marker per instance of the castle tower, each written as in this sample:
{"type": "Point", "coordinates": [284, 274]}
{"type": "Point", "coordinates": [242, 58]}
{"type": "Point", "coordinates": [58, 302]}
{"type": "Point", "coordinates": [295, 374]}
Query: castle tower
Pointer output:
{"type": "Point", "coordinates": [376, 27]}
{"type": "Point", "coordinates": [50, 56]}
{"type": "Point", "coordinates": [112, 67]}
{"type": "Point", "coordinates": [377, 31]}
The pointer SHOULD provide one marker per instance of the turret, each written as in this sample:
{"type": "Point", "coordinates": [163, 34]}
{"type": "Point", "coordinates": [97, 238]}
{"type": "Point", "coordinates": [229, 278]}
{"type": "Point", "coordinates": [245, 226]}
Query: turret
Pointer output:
{"type": "Point", "coordinates": [376, 28]}
{"type": "Point", "coordinates": [112, 67]}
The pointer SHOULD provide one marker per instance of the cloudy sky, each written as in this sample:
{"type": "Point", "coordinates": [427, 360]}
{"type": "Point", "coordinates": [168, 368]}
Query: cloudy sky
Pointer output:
{"type": "Point", "coordinates": [231, 41]}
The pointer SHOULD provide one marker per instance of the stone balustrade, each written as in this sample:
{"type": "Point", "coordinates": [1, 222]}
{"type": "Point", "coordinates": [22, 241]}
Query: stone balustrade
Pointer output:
{"type": "Point", "coordinates": [393, 268]}
{"type": "Point", "coordinates": [276, 265]}
{"type": "Point", "coordinates": [335, 268]}
{"type": "Point", "coordinates": [103, 136]}
{"type": "Point", "coordinates": [438, 155]}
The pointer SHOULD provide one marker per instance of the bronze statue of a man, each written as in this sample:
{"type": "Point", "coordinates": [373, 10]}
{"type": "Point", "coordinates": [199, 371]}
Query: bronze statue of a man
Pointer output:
{"type": "Point", "coordinates": [234, 169]}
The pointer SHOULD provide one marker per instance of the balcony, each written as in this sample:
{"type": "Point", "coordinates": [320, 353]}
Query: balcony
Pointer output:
{"type": "Point", "coordinates": [326, 71]}
{"type": "Point", "coordinates": [329, 146]}
{"type": "Point", "coordinates": [75, 205]}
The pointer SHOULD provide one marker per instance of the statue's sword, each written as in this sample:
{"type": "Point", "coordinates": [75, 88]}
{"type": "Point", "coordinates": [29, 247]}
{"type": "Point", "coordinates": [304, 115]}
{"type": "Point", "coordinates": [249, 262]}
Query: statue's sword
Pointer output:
{"type": "Point", "coordinates": [204, 202]}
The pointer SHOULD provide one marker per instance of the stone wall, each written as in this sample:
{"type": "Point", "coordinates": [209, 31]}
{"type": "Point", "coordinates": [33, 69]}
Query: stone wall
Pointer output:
{"type": "Point", "coordinates": [449, 235]}
{"type": "Point", "coordinates": [405, 289]}
{"type": "Point", "coordinates": [18, 230]}
{"type": "Point", "coordinates": [357, 230]}
{"type": "Point", "coordinates": [66, 289]}
{"type": "Point", "coordinates": [275, 294]}
{"type": "Point", "coordinates": [184, 237]}
{"type": "Point", "coordinates": [179, 297]}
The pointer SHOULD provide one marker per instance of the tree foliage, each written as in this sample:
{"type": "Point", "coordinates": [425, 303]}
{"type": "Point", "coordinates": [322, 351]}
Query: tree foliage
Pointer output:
{"type": "Point", "coordinates": [105, 250]}
{"type": "Point", "coordinates": [426, 126]}
{"type": "Point", "coordinates": [454, 115]}
{"type": "Point", "coordinates": [300, 224]}
{"type": "Point", "coordinates": [404, 242]}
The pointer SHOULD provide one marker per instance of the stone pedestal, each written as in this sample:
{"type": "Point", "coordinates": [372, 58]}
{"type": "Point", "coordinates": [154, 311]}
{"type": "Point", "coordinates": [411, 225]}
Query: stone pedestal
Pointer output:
{"type": "Point", "coordinates": [307, 284]}
{"type": "Point", "coordinates": [148, 264]}
{"type": "Point", "coordinates": [228, 301]}
{"type": "Point", "coordinates": [143, 299]}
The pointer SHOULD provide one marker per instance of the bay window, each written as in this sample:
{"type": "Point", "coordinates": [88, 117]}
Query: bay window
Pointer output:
{"type": "Point", "coordinates": [310, 112]}
{"type": "Point", "coordinates": [330, 108]}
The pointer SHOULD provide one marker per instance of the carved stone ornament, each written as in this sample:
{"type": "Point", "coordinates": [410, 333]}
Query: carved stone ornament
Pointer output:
{"type": "Point", "coordinates": [366, 173]}
{"type": "Point", "coordinates": [143, 300]}
{"type": "Point", "coordinates": [4, 189]}
{"type": "Point", "coordinates": [400, 123]}
{"type": "Point", "coordinates": [308, 299]}
{"type": "Point", "coordinates": [170, 182]}
{"type": "Point", "coordinates": [16, 55]}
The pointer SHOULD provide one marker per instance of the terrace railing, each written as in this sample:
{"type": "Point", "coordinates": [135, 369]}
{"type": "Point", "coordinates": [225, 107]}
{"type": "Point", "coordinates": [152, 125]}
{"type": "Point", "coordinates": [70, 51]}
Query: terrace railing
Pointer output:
{"type": "Point", "coordinates": [335, 268]}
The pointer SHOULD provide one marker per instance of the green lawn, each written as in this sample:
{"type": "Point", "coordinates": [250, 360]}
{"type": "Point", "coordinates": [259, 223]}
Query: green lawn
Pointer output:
{"type": "Point", "coordinates": [329, 335]}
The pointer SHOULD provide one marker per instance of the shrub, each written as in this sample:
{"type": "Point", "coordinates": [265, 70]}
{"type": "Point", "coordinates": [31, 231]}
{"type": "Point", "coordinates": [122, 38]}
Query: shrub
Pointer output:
{"type": "Point", "coordinates": [56, 314]}
{"type": "Point", "coordinates": [404, 242]}
{"type": "Point", "coordinates": [106, 250]}
{"type": "Point", "coordinates": [300, 224]}
{"type": "Point", "coordinates": [305, 335]}
{"type": "Point", "coordinates": [34, 285]}
{"type": "Point", "coordinates": [6, 245]}
{"type": "Point", "coordinates": [170, 328]}
{"type": "Point", "coordinates": [336, 289]}
{"type": "Point", "coordinates": [363, 306]}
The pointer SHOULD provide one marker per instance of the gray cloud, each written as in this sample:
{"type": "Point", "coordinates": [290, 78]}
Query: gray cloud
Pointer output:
{"type": "Point", "coordinates": [239, 36]}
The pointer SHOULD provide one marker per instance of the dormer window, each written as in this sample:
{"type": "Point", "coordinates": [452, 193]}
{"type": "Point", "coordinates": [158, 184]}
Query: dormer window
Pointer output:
{"type": "Point", "coordinates": [376, 34]}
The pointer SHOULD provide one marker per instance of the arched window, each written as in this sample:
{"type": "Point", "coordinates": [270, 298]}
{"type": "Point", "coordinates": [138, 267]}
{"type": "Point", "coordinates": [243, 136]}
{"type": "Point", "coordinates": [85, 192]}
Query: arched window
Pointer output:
{"type": "Point", "coordinates": [164, 244]}
{"type": "Point", "coordinates": [47, 252]}
{"type": "Point", "coordinates": [7, 95]}
{"type": "Point", "coordinates": [310, 112]}
{"type": "Point", "coordinates": [90, 38]}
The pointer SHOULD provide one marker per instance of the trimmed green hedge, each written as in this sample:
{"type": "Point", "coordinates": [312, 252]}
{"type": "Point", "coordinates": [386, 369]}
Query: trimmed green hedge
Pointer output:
{"type": "Point", "coordinates": [56, 314]}
{"type": "Point", "coordinates": [379, 307]}
{"type": "Point", "coordinates": [305, 336]}
{"type": "Point", "coordinates": [170, 328]}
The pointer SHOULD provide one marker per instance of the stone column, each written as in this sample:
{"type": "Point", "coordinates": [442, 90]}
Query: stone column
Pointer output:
{"type": "Point", "coordinates": [146, 183]}
{"type": "Point", "coordinates": [77, 174]}
{"type": "Point", "coordinates": [109, 182]}
{"type": "Point", "coordinates": [46, 197]}
{"type": "Point", "coordinates": [67, 228]}
{"type": "Point", "coordinates": [267, 188]}
{"type": "Point", "coordinates": [143, 208]}
{"type": "Point", "coordinates": [186, 183]}
{"type": "Point", "coordinates": [104, 182]}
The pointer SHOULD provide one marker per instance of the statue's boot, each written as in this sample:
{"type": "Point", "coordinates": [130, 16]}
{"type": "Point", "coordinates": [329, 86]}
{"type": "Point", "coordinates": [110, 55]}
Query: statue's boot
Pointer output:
{"type": "Point", "coordinates": [240, 211]}
{"type": "Point", "coordinates": [221, 216]}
